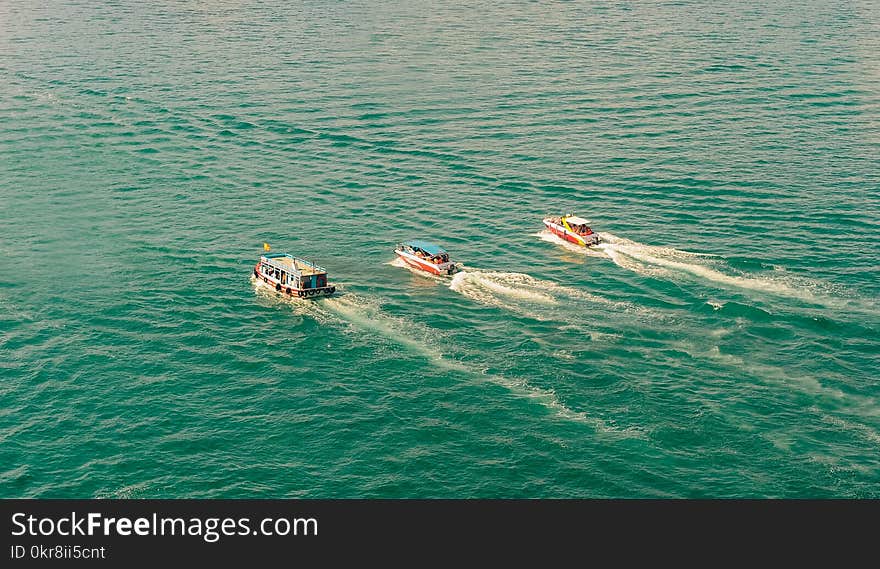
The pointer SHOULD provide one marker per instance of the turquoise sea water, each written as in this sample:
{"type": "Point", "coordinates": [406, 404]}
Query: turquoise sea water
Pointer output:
{"type": "Point", "coordinates": [722, 342]}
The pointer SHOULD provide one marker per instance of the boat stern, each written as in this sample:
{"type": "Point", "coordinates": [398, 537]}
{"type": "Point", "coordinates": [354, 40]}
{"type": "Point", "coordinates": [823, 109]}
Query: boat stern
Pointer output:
{"type": "Point", "coordinates": [450, 268]}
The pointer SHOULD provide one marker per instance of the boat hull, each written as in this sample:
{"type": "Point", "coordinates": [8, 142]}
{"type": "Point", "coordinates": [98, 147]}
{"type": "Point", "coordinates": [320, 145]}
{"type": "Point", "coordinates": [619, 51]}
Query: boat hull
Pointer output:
{"type": "Point", "coordinates": [293, 291]}
{"type": "Point", "coordinates": [425, 265]}
{"type": "Point", "coordinates": [560, 231]}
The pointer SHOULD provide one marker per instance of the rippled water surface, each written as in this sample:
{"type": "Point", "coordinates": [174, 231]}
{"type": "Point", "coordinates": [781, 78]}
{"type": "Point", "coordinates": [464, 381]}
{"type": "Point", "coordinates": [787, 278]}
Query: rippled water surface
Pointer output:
{"type": "Point", "coordinates": [721, 342]}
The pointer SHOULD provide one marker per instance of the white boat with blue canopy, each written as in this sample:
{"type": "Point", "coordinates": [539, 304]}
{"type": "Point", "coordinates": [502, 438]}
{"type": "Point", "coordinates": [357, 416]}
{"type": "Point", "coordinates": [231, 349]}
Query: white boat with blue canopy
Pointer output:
{"type": "Point", "coordinates": [293, 276]}
{"type": "Point", "coordinates": [426, 256]}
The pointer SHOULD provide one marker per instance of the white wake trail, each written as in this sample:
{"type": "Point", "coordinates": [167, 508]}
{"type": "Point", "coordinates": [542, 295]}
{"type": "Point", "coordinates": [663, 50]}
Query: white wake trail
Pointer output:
{"type": "Point", "coordinates": [637, 256]}
{"type": "Point", "coordinates": [487, 286]}
{"type": "Point", "coordinates": [527, 295]}
{"type": "Point", "coordinates": [666, 262]}
{"type": "Point", "coordinates": [366, 315]}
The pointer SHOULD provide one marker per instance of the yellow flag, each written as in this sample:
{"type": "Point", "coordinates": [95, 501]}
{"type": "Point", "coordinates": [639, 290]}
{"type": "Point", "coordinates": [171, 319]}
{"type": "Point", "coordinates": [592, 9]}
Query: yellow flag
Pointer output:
{"type": "Point", "coordinates": [266, 247]}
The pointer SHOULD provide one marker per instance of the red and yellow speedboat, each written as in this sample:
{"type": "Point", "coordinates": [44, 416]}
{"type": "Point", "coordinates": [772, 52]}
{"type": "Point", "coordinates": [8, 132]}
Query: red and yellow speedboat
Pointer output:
{"type": "Point", "coordinates": [573, 229]}
{"type": "Point", "coordinates": [426, 257]}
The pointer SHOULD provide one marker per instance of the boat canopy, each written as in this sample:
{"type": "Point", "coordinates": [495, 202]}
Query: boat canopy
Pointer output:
{"type": "Point", "coordinates": [425, 246]}
{"type": "Point", "coordinates": [575, 220]}
{"type": "Point", "coordinates": [291, 264]}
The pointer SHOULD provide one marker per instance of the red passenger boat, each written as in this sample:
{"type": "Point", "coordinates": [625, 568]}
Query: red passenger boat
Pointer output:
{"type": "Point", "coordinates": [573, 229]}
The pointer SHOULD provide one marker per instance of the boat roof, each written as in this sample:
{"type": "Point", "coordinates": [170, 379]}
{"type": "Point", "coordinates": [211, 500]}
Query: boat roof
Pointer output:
{"type": "Point", "coordinates": [288, 262]}
{"type": "Point", "coordinates": [576, 220]}
{"type": "Point", "coordinates": [425, 246]}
